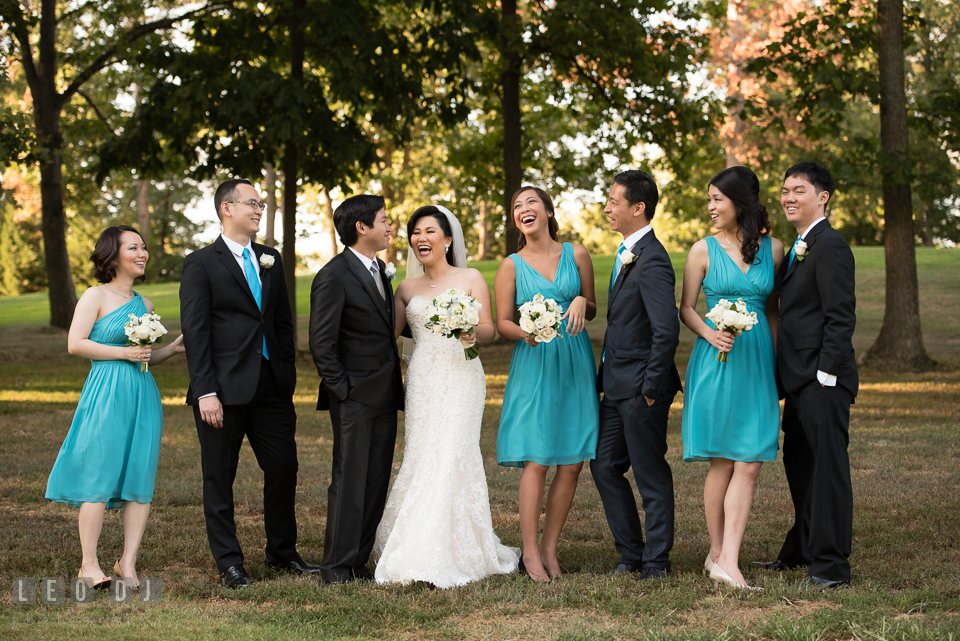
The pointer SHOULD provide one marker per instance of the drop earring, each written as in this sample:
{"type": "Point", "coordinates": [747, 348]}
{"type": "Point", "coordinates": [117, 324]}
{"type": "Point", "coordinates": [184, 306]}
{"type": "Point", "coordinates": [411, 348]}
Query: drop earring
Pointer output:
{"type": "Point", "coordinates": [448, 249]}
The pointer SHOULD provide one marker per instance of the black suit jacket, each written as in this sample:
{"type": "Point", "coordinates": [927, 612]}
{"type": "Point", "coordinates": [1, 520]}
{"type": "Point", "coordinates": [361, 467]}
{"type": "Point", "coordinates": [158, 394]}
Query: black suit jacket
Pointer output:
{"type": "Point", "coordinates": [223, 330]}
{"type": "Point", "coordinates": [817, 313]}
{"type": "Point", "coordinates": [643, 330]}
{"type": "Point", "coordinates": [352, 334]}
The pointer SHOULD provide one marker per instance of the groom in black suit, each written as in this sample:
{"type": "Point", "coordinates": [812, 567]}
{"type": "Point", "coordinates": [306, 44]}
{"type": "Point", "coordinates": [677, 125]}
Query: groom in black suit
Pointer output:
{"type": "Point", "coordinates": [353, 345]}
{"type": "Point", "coordinates": [817, 374]}
{"type": "Point", "coordinates": [238, 333]}
{"type": "Point", "coordinates": [638, 380]}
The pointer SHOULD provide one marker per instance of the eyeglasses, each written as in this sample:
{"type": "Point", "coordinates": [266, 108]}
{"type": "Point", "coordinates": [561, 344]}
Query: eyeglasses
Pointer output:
{"type": "Point", "coordinates": [256, 204]}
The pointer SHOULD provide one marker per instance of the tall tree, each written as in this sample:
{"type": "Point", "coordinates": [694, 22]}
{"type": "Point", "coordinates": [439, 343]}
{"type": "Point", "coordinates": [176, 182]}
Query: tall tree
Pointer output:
{"type": "Point", "coordinates": [90, 37]}
{"type": "Point", "coordinates": [900, 343]}
{"type": "Point", "coordinates": [831, 55]}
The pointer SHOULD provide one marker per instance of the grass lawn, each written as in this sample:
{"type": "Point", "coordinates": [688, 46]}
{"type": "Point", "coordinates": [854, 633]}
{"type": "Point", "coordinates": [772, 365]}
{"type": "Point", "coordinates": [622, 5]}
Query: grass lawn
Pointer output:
{"type": "Point", "coordinates": [905, 454]}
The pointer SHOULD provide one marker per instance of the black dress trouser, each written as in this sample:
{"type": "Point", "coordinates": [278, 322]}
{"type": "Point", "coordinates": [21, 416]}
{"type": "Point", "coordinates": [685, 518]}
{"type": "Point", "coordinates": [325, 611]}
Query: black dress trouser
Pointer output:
{"type": "Point", "coordinates": [633, 434]}
{"type": "Point", "coordinates": [364, 438]}
{"type": "Point", "coordinates": [269, 422]}
{"type": "Point", "coordinates": [816, 431]}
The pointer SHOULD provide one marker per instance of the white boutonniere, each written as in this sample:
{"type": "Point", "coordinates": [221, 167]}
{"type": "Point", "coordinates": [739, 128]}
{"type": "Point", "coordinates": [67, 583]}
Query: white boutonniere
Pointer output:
{"type": "Point", "coordinates": [626, 257]}
{"type": "Point", "coordinates": [800, 251]}
{"type": "Point", "coordinates": [266, 261]}
{"type": "Point", "coordinates": [391, 271]}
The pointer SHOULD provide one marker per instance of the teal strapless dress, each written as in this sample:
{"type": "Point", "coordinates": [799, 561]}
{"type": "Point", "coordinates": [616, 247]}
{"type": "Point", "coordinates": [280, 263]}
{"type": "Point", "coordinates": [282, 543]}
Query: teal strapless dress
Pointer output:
{"type": "Point", "coordinates": [111, 451]}
{"type": "Point", "coordinates": [730, 410]}
{"type": "Point", "coordinates": [550, 413]}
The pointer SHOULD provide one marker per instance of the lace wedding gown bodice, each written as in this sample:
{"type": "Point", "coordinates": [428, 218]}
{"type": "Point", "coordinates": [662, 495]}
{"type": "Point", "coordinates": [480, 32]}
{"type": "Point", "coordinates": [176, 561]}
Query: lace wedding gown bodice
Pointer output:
{"type": "Point", "coordinates": [436, 526]}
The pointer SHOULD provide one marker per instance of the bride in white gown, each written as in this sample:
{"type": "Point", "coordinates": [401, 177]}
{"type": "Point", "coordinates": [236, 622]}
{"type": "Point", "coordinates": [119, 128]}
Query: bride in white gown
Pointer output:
{"type": "Point", "coordinates": [436, 526]}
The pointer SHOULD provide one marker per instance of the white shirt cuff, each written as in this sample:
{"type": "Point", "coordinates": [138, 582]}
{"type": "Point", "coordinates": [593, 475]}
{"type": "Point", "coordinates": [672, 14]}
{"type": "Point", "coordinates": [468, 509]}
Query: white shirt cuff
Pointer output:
{"type": "Point", "coordinates": [827, 380]}
{"type": "Point", "coordinates": [214, 394]}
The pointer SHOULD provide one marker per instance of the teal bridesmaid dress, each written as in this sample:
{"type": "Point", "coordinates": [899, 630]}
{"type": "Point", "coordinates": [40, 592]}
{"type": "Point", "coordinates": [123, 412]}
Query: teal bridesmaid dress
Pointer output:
{"type": "Point", "coordinates": [550, 413]}
{"type": "Point", "coordinates": [110, 453]}
{"type": "Point", "coordinates": [731, 410]}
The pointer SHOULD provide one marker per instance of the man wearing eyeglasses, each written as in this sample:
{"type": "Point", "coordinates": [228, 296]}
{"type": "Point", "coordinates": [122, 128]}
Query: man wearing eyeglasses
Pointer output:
{"type": "Point", "coordinates": [238, 332]}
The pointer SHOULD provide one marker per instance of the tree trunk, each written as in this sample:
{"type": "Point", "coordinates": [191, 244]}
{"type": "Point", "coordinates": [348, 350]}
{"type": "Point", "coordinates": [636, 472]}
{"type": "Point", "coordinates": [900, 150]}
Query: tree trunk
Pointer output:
{"type": "Point", "coordinates": [269, 239]}
{"type": "Point", "coordinates": [47, 104]}
{"type": "Point", "coordinates": [926, 232]}
{"type": "Point", "coordinates": [289, 254]}
{"type": "Point", "coordinates": [485, 238]}
{"type": "Point", "coordinates": [735, 127]}
{"type": "Point", "coordinates": [387, 180]}
{"type": "Point", "coordinates": [899, 346]}
{"type": "Point", "coordinates": [512, 128]}
{"type": "Point", "coordinates": [328, 209]}
{"type": "Point", "coordinates": [143, 209]}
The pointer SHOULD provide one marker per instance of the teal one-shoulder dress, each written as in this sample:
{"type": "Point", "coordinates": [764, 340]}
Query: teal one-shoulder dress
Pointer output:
{"type": "Point", "coordinates": [550, 412]}
{"type": "Point", "coordinates": [731, 410]}
{"type": "Point", "coordinates": [111, 452]}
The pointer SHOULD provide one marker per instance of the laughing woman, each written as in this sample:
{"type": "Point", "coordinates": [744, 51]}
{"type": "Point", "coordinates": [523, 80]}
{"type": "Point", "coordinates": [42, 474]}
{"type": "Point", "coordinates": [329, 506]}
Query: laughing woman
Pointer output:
{"type": "Point", "coordinates": [550, 415]}
{"type": "Point", "coordinates": [109, 457]}
{"type": "Point", "coordinates": [731, 416]}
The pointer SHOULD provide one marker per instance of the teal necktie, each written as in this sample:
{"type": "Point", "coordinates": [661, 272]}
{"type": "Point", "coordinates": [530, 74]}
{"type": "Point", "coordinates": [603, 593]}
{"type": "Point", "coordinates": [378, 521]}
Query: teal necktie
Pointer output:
{"type": "Point", "coordinates": [251, 273]}
{"type": "Point", "coordinates": [793, 252]}
{"type": "Point", "coordinates": [616, 266]}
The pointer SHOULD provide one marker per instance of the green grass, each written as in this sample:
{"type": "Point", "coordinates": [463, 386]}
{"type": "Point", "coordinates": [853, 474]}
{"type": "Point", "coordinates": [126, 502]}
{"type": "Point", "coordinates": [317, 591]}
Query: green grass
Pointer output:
{"type": "Point", "coordinates": [905, 451]}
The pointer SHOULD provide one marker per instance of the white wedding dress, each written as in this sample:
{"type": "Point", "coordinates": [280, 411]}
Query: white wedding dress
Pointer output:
{"type": "Point", "coordinates": [436, 526]}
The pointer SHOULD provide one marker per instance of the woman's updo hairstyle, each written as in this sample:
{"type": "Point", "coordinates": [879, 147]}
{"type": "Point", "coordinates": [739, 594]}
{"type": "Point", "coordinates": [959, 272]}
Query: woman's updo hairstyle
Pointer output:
{"type": "Point", "coordinates": [106, 252]}
{"type": "Point", "coordinates": [552, 225]}
{"type": "Point", "coordinates": [433, 212]}
{"type": "Point", "coordinates": [742, 187]}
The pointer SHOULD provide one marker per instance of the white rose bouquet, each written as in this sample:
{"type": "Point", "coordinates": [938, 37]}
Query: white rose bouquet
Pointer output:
{"type": "Point", "coordinates": [733, 318]}
{"type": "Point", "coordinates": [540, 318]}
{"type": "Point", "coordinates": [144, 330]}
{"type": "Point", "coordinates": [453, 313]}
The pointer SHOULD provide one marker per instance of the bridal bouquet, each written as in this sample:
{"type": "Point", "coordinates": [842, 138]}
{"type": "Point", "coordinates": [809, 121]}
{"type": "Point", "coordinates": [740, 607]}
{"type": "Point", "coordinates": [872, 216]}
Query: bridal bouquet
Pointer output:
{"type": "Point", "coordinates": [540, 318]}
{"type": "Point", "coordinates": [452, 313]}
{"type": "Point", "coordinates": [733, 318]}
{"type": "Point", "coordinates": [144, 330]}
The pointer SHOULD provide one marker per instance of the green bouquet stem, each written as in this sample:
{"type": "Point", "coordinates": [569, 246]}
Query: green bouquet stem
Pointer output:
{"type": "Point", "coordinates": [472, 352]}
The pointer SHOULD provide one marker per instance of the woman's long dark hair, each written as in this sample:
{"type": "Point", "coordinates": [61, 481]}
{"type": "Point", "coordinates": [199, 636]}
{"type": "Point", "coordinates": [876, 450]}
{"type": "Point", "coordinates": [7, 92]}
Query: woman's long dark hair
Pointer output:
{"type": "Point", "coordinates": [107, 250]}
{"type": "Point", "coordinates": [552, 225]}
{"type": "Point", "coordinates": [742, 187]}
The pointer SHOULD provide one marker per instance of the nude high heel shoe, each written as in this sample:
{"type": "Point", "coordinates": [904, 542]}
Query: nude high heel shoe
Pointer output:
{"type": "Point", "coordinates": [708, 565]}
{"type": "Point", "coordinates": [717, 574]}
{"type": "Point", "coordinates": [116, 570]}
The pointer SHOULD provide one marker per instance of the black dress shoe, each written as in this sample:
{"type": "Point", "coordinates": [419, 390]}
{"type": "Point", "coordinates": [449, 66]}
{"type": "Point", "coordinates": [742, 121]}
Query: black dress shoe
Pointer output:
{"type": "Point", "coordinates": [294, 566]}
{"type": "Point", "coordinates": [361, 573]}
{"type": "Point", "coordinates": [235, 577]}
{"type": "Point", "coordinates": [815, 582]}
{"type": "Point", "coordinates": [776, 565]}
{"type": "Point", "coordinates": [651, 574]}
{"type": "Point", "coordinates": [624, 568]}
{"type": "Point", "coordinates": [336, 576]}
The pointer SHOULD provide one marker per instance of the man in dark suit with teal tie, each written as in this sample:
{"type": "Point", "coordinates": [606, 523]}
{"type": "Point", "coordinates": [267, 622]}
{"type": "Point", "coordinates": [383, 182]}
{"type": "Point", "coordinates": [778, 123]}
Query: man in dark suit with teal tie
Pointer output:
{"type": "Point", "coordinates": [238, 333]}
{"type": "Point", "coordinates": [638, 380]}
{"type": "Point", "coordinates": [817, 375]}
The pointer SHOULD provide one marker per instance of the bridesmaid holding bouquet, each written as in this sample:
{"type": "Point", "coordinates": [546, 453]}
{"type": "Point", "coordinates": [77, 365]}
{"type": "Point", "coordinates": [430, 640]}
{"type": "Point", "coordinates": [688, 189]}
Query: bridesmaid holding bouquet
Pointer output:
{"type": "Point", "coordinates": [109, 457]}
{"type": "Point", "coordinates": [550, 414]}
{"type": "Point", "coordinates": [731, 416]}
